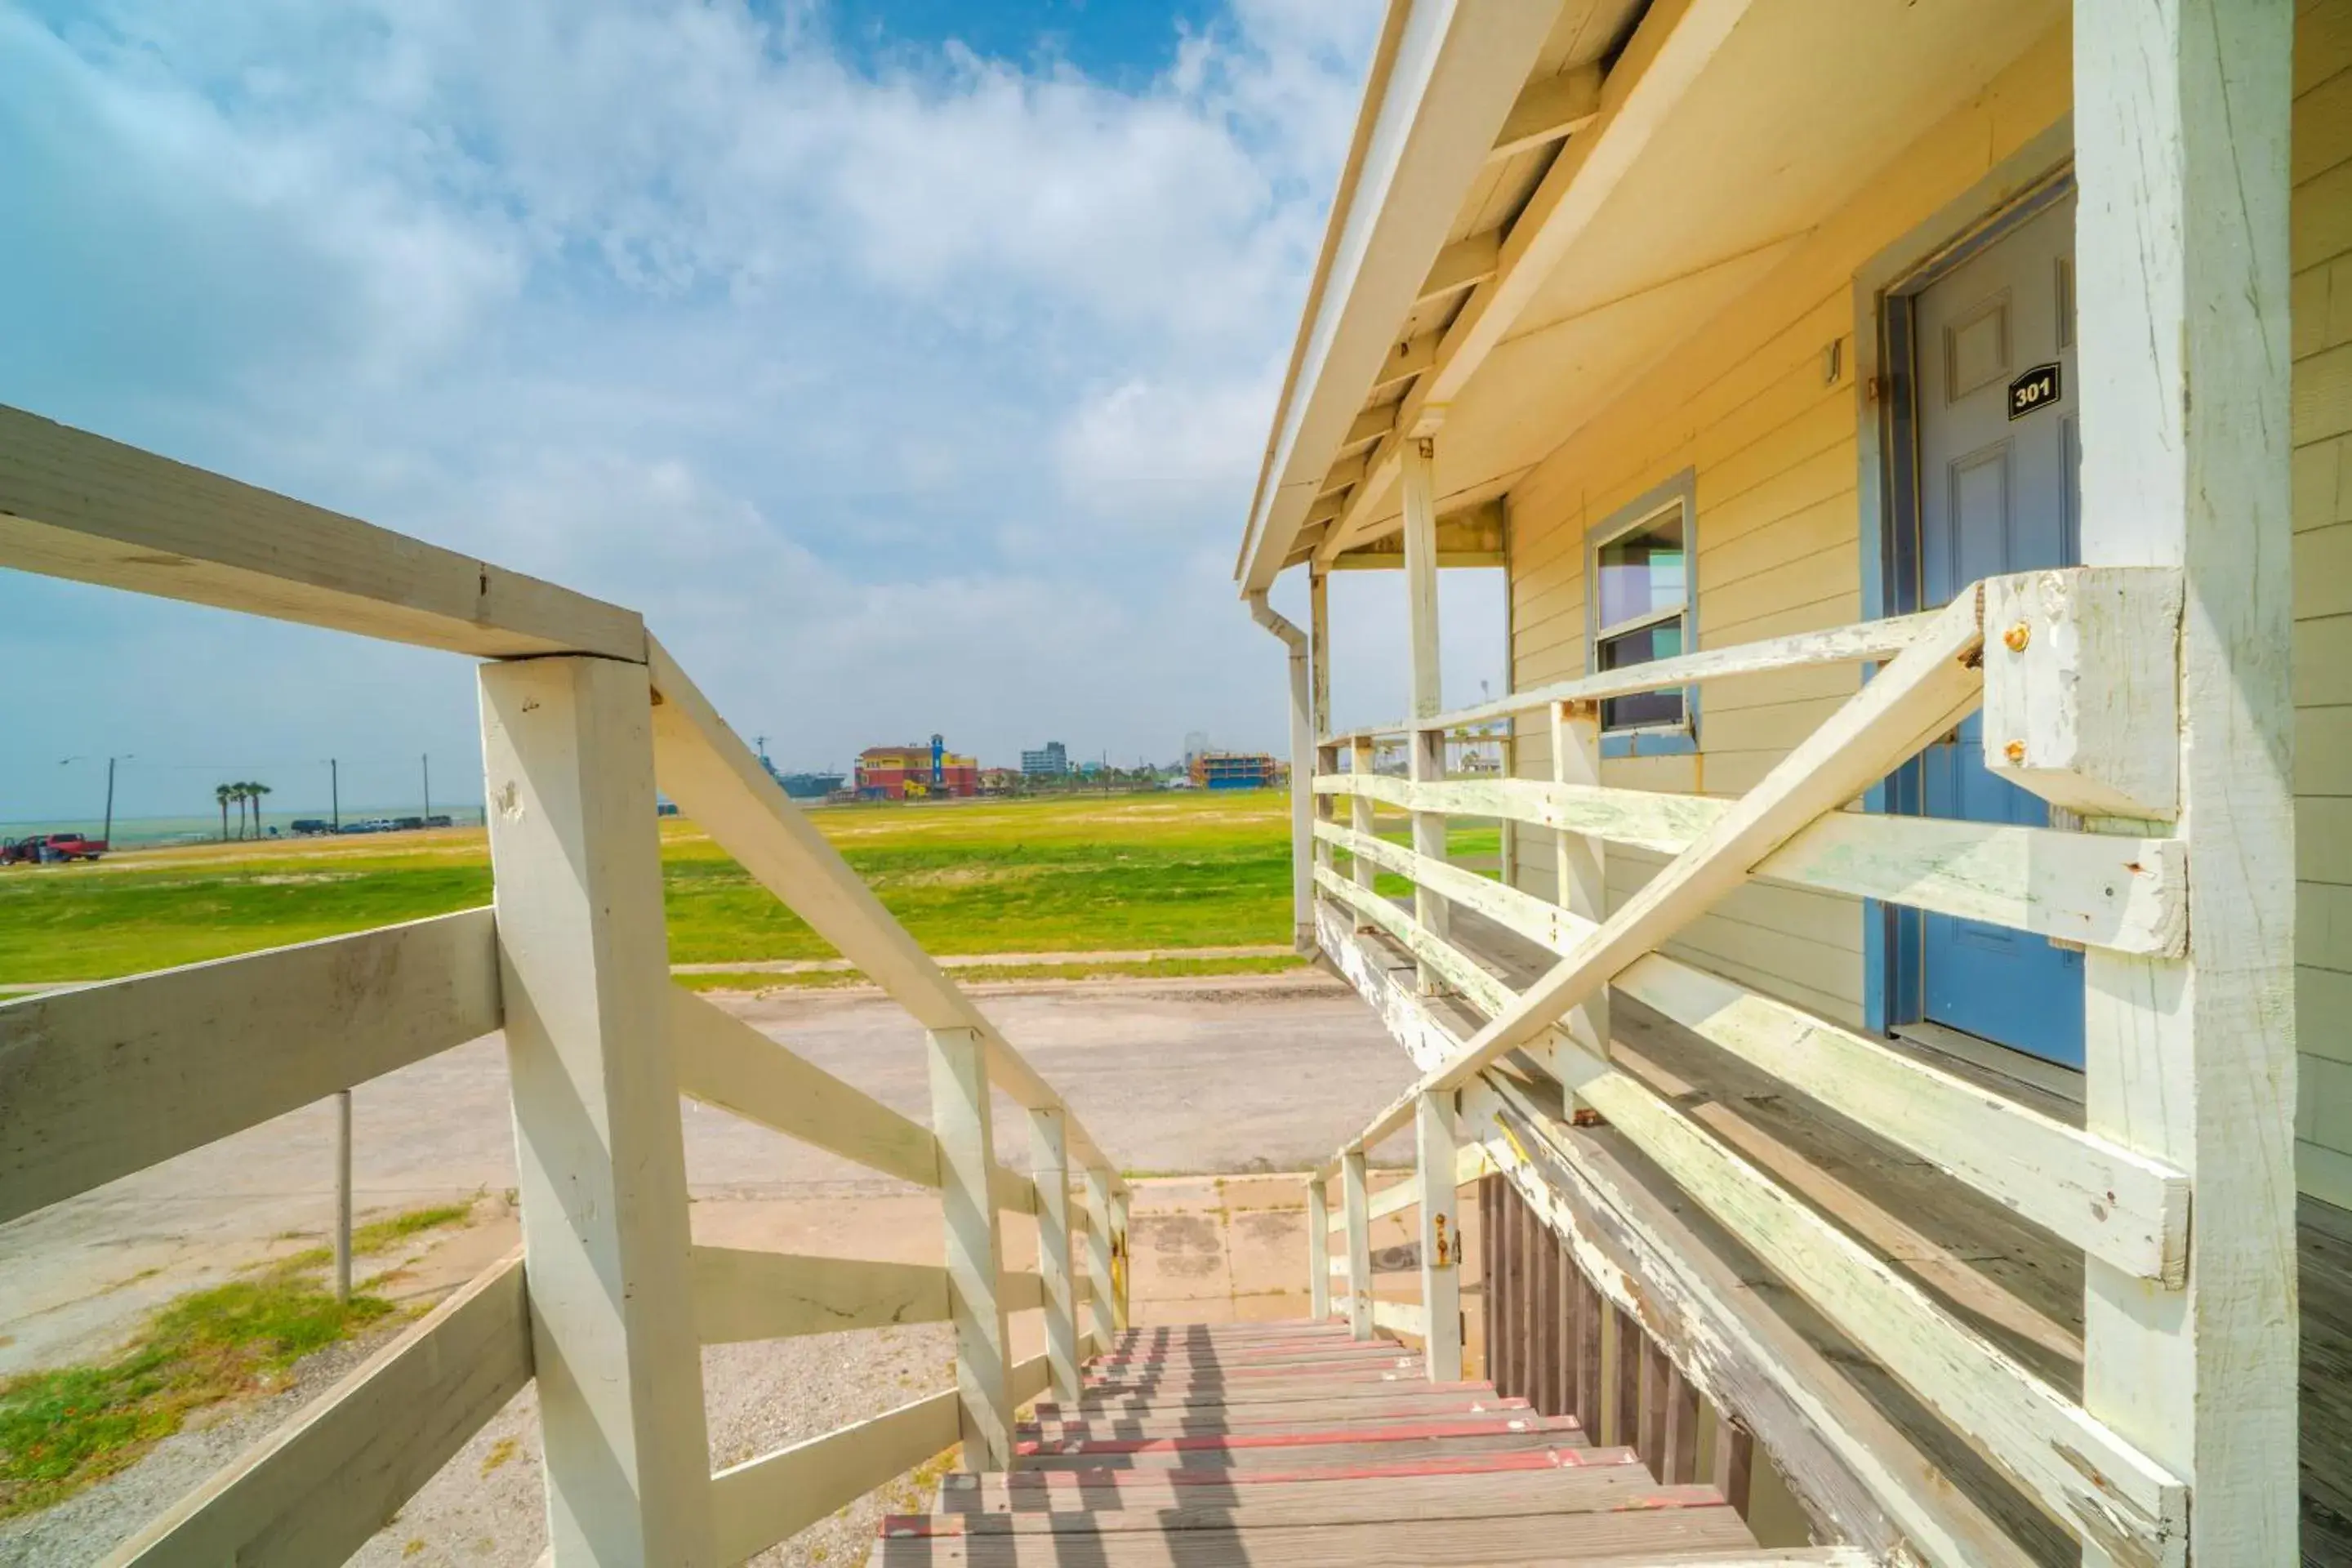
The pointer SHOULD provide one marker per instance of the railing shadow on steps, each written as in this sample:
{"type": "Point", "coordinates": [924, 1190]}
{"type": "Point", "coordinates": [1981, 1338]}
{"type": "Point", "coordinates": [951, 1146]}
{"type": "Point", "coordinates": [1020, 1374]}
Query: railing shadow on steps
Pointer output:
{"type": "Point", "coordinates": [608, 1303]}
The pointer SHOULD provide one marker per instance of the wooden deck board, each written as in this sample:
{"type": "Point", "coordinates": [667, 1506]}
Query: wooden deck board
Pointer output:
{"type": "Point", "coordinates": [1414, 1544]}
{"type": "Point", "coordinates": [1617, 1489]}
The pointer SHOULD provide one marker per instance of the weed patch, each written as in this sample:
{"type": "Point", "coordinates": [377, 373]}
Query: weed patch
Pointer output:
{"type": "Point", "coordinates": [62, 1431]}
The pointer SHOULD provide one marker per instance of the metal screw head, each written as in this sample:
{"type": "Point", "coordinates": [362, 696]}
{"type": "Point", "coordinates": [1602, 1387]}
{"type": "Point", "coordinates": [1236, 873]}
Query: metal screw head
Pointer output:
{"type": "Point", "coordinates": [2017, 637]}
{"type": "Point", "coordinates": [2014, 751]}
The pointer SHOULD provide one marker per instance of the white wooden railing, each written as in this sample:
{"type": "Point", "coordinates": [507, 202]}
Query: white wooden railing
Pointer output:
{"type": "Point", "coordinates": [609, 1301]}
{"type": "Point", "coordinates": [2040, 654]}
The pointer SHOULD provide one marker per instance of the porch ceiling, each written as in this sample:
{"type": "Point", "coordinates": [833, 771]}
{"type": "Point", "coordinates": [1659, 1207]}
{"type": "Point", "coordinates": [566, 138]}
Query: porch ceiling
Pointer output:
{"type": "Point", "coordinates": [1728, 132]}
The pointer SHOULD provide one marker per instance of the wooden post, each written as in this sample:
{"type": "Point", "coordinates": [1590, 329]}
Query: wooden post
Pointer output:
{"type": "Point", "coordinates": [1318, 647]}
{"type": "Point", "coordinates": [1049, 1161]}
{"type": "Point", "coordinates": [2180, 132]}
{"type": "Point", "coordinates": [1361, 816]}
{"type": "Point", "coordinates": [1589, 1313]}
{"type": "Point", "coordinates": [1580, 880]}
{"type": "Point", "coordinates": [1435, 1148]}
{"type": "Point", "coordinates": [1425, 759]}
{"type": "Point", "coordinates": [1625, 1413]}
{"type": "Point", "coordinates": [1732, 1465]}
{"type": "Point", "coordinates": [1357, 1204]}
{"type": "Point", "coordinates": [1101, 1310]}
{"type": "Point", "coordinates": [961, 1122]}
{"type": "Point", "coordinates": [1319, 1250]}
{"type": "Point", "coordinates": [1121, 1259]}
{"type": "Point", "coordinates": [567, 754]}
{"type": "Point", "coordinates": [1327, 760]}
{"type": "Point", "coordinates": [342, 1194]}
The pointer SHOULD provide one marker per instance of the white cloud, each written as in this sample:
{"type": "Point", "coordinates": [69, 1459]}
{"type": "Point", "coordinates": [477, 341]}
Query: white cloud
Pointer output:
{"type": "Point", "coordinates": [884, 383]}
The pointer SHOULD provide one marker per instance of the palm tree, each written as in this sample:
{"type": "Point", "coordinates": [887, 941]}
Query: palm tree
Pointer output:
{"type": "Point", "coordinates": [222, 794]}
{"type": "Point", "coordinates": [259, 791]}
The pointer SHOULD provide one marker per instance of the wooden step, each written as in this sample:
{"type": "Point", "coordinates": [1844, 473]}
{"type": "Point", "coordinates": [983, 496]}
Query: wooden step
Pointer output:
{"type": "Point", "coordinates": [1284, 1412]}
{"type": "Point", "coordinates": [1091, 1402]}
{"type": "Point", "coordinates": [1249, 1355]}
{"type": "Point", "coordinates": [1387, 1369]}
{"type": "Point", "coordinates": [1080, 1510]}
{"type": "Point", "coordinates": [1657, 1535]}
{"type": "Point", "coordinates": [1072, 1440]}
{"type": "Point", "coordinates": [1228, 1333]}
{"type": "Point", "coordinates": [1230, 1482]}
{"type": "Point", "coordinates": [1360, 1445]}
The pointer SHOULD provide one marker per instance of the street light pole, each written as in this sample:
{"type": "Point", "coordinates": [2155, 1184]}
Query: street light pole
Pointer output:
{"type": "Point", "coordinates": [427, 761]}
{"type": "Point", "coordinates": [334, 794]}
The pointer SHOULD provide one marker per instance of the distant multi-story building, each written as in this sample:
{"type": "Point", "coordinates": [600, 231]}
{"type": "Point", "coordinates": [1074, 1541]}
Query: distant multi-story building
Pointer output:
{"type": "Point", "coordinates": [912, 773]}
{"type": "Point", "coordinates": [1050, 763]}
{"type": "Point", "coordinates": [1234, 770]}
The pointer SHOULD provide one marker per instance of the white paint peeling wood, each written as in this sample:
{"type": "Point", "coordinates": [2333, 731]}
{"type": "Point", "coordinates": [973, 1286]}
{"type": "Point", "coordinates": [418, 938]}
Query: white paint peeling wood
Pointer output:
{"type": "Point", "coordinates": [102, 1080]}
{"type": "Point", "coordinates": [2121, 1205]}
{"type": "Point", "coordinates": [2081, 687]}
{"type": "Point", "coordinates": [1868, 641]}
{"type": "Point", "coordinates": [2182, 129]}
{"type": "Point", "coordinates": [1435, 1156]}
{"type": "Point", "coordinates": [2072, 1466]}
{"type": "Point", "coordinates": [319, 1487]}
{"type": "Point", "coordinates": [2127, 892]}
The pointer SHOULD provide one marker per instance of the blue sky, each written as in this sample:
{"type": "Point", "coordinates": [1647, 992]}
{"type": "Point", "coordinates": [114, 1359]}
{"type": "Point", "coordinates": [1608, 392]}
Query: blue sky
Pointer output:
{"type": "Point", "coordinates": [907, 362]}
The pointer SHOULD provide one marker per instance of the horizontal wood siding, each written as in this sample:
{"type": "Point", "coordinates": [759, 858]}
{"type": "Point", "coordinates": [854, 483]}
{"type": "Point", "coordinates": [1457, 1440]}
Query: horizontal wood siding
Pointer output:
{"type": "Point", "coordinates": [1745, 404]}
{"type": "Point", "coordinates": [2321, 250]}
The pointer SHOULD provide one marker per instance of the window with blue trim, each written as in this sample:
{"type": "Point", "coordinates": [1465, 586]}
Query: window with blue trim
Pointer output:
{"type": "Point", "coordinates": [1639, 564]}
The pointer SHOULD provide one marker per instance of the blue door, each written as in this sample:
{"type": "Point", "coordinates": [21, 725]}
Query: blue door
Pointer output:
{"type": "Point", "coordinates": [1997, 460]}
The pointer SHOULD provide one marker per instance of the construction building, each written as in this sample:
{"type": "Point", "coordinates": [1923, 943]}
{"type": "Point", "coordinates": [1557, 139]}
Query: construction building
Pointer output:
{"type": "Point", "coordinates": [1234, 770]}
{"type": "Point", "coordinates": [914, 772]}
{"type": "Point", "coordinates": [1050, 763]}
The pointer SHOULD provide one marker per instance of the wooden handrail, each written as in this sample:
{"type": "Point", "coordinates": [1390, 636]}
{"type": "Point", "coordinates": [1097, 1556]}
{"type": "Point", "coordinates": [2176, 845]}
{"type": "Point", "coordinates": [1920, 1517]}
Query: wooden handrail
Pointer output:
{"type": "Point", "coordinates": [1928, 688]}
{"type": "Point", "coordinates": [2120, 891]}
{"type": "Point", "coordinates": [718, 782]}
{"type": "Point", "coordinates": [1860, 644]}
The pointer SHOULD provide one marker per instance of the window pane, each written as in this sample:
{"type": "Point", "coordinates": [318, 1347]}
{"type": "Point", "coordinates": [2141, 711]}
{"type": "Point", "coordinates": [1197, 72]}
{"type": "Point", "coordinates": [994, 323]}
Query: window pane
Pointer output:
{"type": "Point", "coordinates": [1647, 708]}
{"type": "Point", "coordinates": [1641, 572]}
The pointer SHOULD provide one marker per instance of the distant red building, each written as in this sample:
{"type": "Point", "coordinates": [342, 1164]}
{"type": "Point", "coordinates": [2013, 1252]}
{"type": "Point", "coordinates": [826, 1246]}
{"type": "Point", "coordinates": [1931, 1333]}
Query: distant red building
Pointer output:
{"type": "Point", "coordinates": [913, 773]}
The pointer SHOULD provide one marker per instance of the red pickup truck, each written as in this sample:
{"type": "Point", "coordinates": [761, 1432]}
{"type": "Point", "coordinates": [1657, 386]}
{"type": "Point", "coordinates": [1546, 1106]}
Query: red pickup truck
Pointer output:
{"type": "Point", "coordinates": [51, 847]}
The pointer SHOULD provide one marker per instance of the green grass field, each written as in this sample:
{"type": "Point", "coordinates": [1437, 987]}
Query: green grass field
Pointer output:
{"type": "Point", "coordinates": [1070, 875]}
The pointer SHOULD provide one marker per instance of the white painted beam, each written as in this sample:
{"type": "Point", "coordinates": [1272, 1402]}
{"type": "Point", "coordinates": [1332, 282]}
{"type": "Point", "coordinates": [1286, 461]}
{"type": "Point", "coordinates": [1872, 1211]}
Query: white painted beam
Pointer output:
{"type": "Point", "coordinates": [1101, 1294]}
{"type": "Point", "coordinates": [726, 1062]}
{"type": "Point", "coordinates": [79, 506]}
{"type": "Point", "coordinates": [1357, 1207]}
{"type": "Point", "coordinates": [104, 1080]}
{"type": "Point", "coordinates": [2182, 116]}
{"type": "Point", "coordinates": [961, 1122]}
{"type": "Point", "coordinates": [568, 760]}
{"type": "Point", "coordinates": [1049, 1164]}
{"type": "Point", "coordinates": [1319, 1261]}
{"type": "Point", "coordinates": [1435, 1154]}
{"type": "Point", "coordinates": [746, 1294]}
{"type": "Point", "coordinates": [2107, 890]}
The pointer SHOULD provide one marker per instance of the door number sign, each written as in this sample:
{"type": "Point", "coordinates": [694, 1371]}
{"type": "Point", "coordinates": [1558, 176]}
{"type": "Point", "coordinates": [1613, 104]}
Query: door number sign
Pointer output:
{"type": "Point", "coordinates": [2036, 389]}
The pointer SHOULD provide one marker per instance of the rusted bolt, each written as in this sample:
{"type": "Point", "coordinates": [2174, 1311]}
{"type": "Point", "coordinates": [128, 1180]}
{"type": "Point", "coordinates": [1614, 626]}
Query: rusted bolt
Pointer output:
{"type": "Point", "coordinates": [2014, 751]}
{"type": "Point", "coordinates": [2017, 637]}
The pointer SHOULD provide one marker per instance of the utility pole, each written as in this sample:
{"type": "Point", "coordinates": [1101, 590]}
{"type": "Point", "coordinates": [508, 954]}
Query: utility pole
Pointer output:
{"type": "Point", "coordinates": [107, 833]}
{"type": "Point", "coordinates": [427, 761]}
{"type": "Point", "coordinates": [335, 794]}
{"type": "Point", "coordinates": [344, 1196]}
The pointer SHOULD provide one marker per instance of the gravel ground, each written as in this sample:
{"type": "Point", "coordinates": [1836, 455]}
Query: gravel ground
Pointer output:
{"type": "Point", "coordinates": [83, 1528]}
{"type": "Point", "coordinates": [485, 1509]}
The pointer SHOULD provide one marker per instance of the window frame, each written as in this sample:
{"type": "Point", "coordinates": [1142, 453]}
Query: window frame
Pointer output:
{"type": "Point", "coordinates": [1677, 495]}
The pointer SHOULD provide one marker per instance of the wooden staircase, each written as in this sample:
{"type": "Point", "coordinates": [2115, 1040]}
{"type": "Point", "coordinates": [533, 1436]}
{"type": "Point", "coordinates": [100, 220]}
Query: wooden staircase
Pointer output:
{"type": "Point", "coordinates": [1291, 1443]}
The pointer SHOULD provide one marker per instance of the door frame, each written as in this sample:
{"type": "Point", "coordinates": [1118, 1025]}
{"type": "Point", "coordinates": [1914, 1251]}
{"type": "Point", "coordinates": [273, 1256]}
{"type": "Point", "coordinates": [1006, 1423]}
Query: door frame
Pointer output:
{"type": "Point", "coordinates": [2018, 188]}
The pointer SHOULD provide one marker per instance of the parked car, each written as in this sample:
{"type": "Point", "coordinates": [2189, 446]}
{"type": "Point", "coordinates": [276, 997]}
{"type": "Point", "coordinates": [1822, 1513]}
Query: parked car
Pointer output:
{"type": "Point", "coordinates": [405, 824]}
{"type": "Point", "coordinates": [51, 848]}
{"type": "Point", "coordinates": [439, 822]}
{"type": "Point", "coordinates": [310, 826]}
